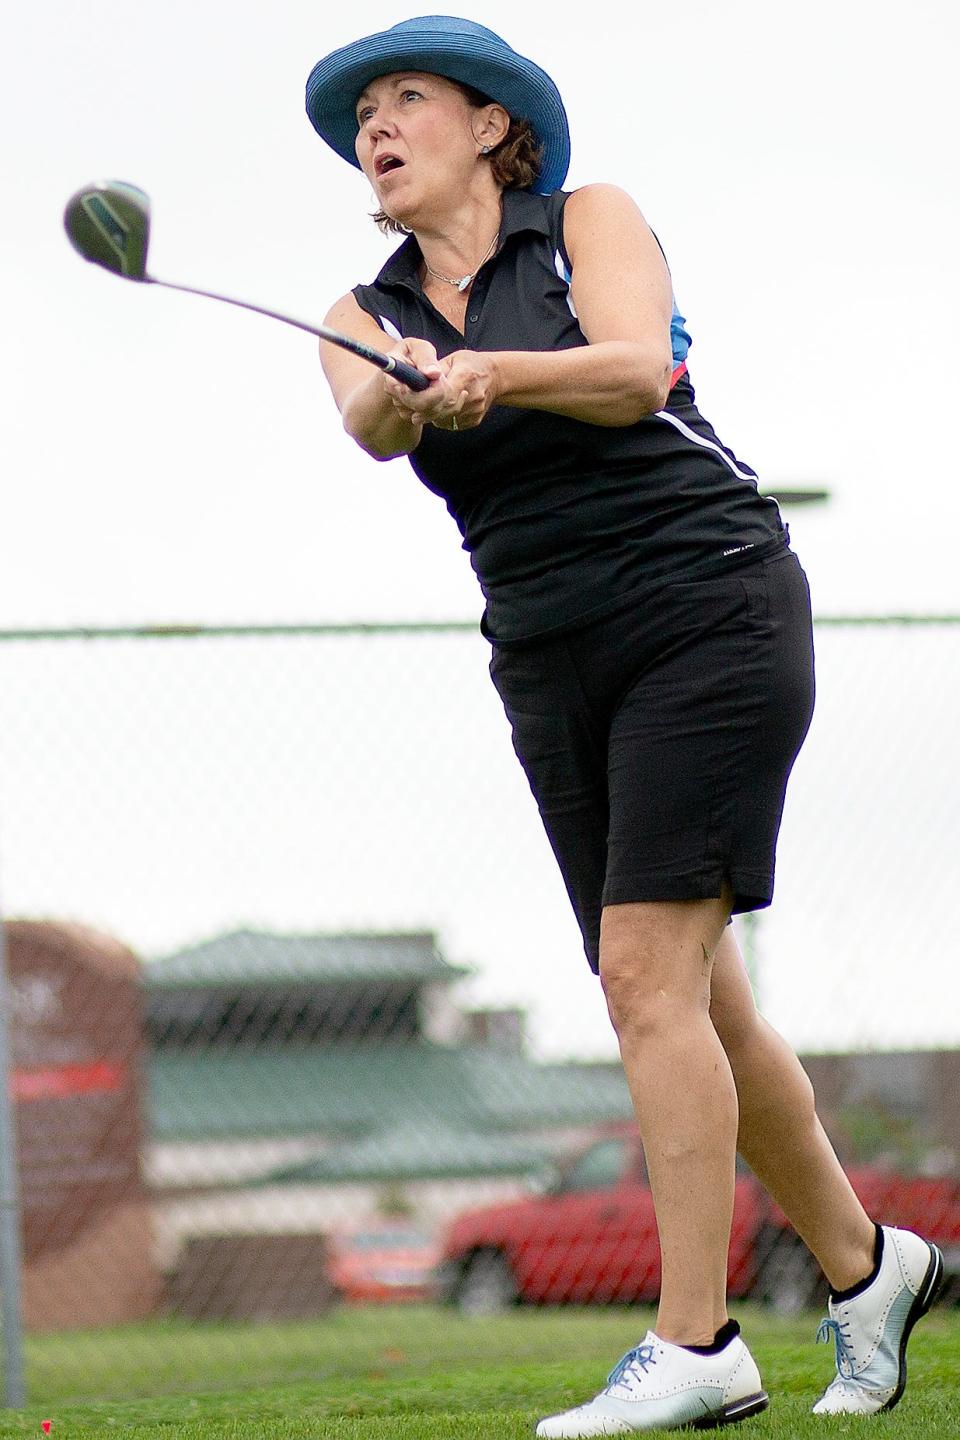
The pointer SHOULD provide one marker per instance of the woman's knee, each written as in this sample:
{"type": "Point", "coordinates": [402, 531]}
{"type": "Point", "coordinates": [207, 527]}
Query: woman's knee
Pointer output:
{"type": "Point", "coordinates": [733, 1009]}
{"type": "Point", "coordinates": [635, 1003]}
{"type": "Point", "coordinates": [650, 976]}
{"type": "Point", "coordinates": [768, 1074]}
{"type": "Point", "coordinates": [737, 1025]}
{"type": "Point", "coordinates": [770, 1079]}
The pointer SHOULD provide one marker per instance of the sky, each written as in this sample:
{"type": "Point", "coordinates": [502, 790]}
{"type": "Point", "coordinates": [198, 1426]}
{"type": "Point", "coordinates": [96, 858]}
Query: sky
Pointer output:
{"type": "Point", "coordinates": [168, 459]}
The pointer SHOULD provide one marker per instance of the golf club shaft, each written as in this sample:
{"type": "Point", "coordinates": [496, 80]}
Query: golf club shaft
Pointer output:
{"type": "Point", "coordinates": [399, 369]}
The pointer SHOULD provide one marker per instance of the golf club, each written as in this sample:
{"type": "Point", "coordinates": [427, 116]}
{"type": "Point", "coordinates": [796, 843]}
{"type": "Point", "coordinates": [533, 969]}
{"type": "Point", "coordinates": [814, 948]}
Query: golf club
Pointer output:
{"type": "Point", "coordinates": [108, 223]}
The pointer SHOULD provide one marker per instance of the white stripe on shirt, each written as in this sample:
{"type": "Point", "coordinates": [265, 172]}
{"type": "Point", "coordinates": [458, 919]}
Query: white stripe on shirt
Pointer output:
{"type": "Point", "coordinates": [706, 444]}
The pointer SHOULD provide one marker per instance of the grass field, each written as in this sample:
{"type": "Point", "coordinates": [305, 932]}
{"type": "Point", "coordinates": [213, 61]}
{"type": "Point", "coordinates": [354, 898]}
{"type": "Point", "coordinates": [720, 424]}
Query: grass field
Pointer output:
{"type": "Point", "coordinates": [423, 1374]}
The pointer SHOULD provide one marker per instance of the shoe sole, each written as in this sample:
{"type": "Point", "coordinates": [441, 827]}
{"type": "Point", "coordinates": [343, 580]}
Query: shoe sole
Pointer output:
{"type": "Point", "coordinates": [733, 1414]}
{"type": "Point", "coordinates": [729, 1415]}
{"type": "Point", "coordinates": [926, 1295]}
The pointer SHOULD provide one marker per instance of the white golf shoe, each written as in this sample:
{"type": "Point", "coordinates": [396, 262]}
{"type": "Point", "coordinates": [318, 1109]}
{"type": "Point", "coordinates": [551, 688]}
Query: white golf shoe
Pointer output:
{"type": "Point", "coordinates": [872, 1327]}
{"type": "Point", "coordinates": [659, 1386]}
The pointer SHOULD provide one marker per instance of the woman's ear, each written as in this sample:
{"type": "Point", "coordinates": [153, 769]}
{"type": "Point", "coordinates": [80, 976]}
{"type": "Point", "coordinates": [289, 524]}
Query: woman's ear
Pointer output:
{"type": "Point", "coordinates": [490, 127]}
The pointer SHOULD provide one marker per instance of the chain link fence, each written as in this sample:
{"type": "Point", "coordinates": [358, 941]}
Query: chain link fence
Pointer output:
{"type": "Point", "coordinates": [293, 983]}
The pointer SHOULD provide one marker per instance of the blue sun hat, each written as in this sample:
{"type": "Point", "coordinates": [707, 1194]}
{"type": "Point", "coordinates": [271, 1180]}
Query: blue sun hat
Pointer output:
{"type": "Point", "coordinates": [457, 49]}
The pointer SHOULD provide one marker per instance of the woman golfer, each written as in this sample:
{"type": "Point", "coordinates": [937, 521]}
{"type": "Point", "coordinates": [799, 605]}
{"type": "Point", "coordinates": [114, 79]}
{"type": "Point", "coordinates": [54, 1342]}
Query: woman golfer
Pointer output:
{"type": "Point", "coordinates": [651, 643]}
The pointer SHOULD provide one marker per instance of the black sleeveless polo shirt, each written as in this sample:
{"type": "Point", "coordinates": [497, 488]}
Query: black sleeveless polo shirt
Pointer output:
{"type": "Point", "coordinates": [566, 521]}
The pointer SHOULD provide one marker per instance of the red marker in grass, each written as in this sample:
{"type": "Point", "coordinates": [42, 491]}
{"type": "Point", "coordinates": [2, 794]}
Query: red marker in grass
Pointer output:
{"type": "Point", "coordinates": [45, 1426]}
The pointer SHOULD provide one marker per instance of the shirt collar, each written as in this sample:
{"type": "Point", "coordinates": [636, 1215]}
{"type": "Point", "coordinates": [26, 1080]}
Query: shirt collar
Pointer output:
{"type": "Point", "coordinates": [522, 211]}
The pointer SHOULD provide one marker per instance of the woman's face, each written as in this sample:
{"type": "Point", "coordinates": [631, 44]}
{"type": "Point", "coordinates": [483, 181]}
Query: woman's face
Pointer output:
{"type": "Point", "coordinates": [416, 142]}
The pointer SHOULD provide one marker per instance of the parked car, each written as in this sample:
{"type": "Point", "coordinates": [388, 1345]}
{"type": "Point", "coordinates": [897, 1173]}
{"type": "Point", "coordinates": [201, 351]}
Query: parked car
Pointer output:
{"type": "Point", "coordinates": [791, 1279]}
{"type": "Point", "coordinates": [386, 1264]}
{"type": "Point", "coordinates": [591, 1237]}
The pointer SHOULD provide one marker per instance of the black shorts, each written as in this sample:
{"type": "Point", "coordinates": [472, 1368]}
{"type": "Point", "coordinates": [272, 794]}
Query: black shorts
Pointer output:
{"type": "Point", "coordinates": [658, 741]}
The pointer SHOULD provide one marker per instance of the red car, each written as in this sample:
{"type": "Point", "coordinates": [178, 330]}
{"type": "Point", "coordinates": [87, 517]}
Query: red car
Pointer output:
{"type": "Point", "coordinates": [386, 1264]}
{"type": "Point", "coordinates": [790, 1278]}
{"type": "Point", "coordinates": [592, 1237]}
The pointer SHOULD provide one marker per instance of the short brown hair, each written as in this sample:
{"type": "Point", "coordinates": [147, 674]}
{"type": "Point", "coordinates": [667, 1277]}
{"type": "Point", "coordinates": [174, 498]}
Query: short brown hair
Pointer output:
{"type": "Point", "coordinates": [515, 162]}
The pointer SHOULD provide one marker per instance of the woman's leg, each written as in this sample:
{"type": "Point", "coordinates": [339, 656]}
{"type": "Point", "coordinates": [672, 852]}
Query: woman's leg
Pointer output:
{"type": "Point", "coordinates": [880, 1290]}
{"type": "Point", "coordinates": [780, 1136]}
{"type": "Point", "coordinates": [655, 966]}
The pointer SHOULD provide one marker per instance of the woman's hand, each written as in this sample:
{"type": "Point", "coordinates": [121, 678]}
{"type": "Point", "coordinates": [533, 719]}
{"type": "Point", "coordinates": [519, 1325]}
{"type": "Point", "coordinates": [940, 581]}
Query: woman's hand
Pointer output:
{"type": "Point", "coordinates": [473, 374]}
{"type": "Point", "coordinates": [463, 388]}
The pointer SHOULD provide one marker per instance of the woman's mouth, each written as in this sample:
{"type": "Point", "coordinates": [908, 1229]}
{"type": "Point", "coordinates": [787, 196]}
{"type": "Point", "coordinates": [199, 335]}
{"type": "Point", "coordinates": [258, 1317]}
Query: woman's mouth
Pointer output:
{"type": "Point", "coordinates": [386, 163]}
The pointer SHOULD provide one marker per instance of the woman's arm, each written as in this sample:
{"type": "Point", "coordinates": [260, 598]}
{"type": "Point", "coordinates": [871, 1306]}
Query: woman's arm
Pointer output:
{"type": "Point", "coordinates": [370, 415]}
{"type": "Point", "coordinates": [622, 293]}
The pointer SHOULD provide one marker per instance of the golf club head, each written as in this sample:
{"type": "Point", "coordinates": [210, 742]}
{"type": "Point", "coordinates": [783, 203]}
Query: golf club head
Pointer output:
{"type": "Point", "coordinates": [109, 224]}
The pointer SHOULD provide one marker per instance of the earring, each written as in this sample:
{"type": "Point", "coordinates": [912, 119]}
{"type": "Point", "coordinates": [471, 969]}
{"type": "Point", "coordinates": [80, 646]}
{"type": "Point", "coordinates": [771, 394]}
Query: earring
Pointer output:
{"type": "Point", "coordinates": [485, 150]}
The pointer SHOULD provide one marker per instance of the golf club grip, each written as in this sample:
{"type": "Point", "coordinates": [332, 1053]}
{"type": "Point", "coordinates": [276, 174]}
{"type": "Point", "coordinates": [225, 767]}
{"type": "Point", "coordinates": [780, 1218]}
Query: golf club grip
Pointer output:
{"type": "Point", "coordinates": [400, 369]}
{"type": "Point", "coordinates": [407, 374]}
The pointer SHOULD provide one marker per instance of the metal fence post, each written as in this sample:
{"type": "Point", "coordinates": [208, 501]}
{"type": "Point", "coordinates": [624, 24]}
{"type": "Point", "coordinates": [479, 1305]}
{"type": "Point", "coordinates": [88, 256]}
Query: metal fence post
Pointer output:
{"type": "Point", "coordinates": [10, 1249]}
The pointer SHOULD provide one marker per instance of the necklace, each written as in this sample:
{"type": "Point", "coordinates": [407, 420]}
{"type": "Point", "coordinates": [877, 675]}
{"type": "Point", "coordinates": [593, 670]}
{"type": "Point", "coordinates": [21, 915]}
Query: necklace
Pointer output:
{"type": "Point", "coordinates": [465, 280]}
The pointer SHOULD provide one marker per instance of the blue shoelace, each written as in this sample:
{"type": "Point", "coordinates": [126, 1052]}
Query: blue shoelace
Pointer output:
{"type": "Point", "coordinates": [845, 1357]}
{"type": "Point", "coordinates": [641, 1355]}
